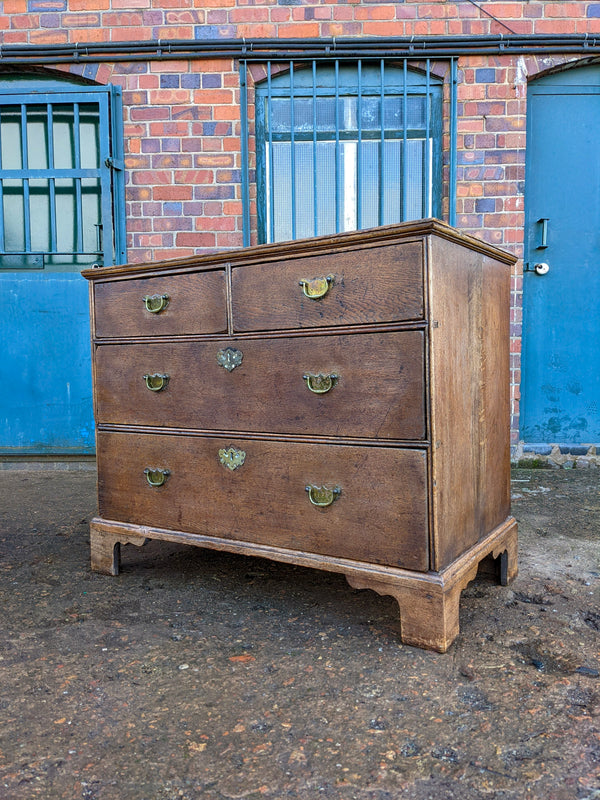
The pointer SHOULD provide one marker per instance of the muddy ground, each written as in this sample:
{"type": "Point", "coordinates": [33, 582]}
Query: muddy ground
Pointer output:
{"type": "Point", "coordinates": [197, 674]}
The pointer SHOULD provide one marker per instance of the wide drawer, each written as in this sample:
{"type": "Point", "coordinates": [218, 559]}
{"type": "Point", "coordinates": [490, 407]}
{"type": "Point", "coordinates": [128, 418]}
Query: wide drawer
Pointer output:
{"type": "Point", "coordinates": [359, 385]}
{"type": "Point", "coordinates": [377, 497]}
{"type": "Point", "coordinates": [164, 305]}
{"type": "Point", "coordinates": [371, 285]}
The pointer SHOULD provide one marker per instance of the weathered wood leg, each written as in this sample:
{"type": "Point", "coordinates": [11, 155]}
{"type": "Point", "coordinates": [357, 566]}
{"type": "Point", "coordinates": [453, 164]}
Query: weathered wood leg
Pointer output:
{"type": "Point", "coordinates": [428, 612]}
{"type": "Point", "coordinates": [106, 550]}
{"type": "Point", "coordinates": [507, 554]}
{"type": "Point", "coordinates": [429, 606]}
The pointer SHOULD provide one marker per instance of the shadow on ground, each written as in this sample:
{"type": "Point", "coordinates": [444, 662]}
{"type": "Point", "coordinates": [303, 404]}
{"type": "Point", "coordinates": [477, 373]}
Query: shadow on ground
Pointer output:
{"type": "Point", "coordinates": [198, 674]}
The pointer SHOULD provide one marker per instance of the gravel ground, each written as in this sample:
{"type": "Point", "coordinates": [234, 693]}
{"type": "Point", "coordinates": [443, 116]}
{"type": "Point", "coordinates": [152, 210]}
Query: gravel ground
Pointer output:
{"type": "Point", "coordinates": [197, 674]}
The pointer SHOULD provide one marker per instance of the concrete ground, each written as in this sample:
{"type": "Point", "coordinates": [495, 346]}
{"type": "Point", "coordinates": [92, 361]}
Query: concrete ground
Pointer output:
{"type": "Point", "coordinates": [197, 674]}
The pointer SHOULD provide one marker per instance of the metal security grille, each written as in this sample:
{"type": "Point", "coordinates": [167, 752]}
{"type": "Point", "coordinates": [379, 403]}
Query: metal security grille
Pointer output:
{"type": "Point", "coordinates": [59, 196]}
{"type": "Point", "coordinates": [344, 145]}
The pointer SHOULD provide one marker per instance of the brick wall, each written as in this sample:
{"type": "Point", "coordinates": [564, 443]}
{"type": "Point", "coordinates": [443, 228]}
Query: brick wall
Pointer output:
{"type": "Point", "coordinates": [182, 118]}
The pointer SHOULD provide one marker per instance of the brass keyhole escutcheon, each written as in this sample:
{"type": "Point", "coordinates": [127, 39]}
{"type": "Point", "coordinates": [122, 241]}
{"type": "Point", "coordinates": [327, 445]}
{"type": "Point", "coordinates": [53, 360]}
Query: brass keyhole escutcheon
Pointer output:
{"type": "Point", "coordinates": [230, 358]}
{"type": "Point", "coordinates": [155, 303]}
{"type": "Point", "coordinates": [320, 384]}
{"type": "Point", "coordinates": [317, 287]}
{"type": "Point", "coordinates": [231, 457]}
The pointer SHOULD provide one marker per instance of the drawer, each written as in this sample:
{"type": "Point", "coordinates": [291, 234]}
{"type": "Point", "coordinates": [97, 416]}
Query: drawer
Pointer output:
{"type": "Point", "coordinates": [359, 385]}
{"type": "Point", "coordinates": [195, 303]}
{"type": "Point", "coordinates": [379, 514]}
{"type": "Point", "coordinates": [377, 284]}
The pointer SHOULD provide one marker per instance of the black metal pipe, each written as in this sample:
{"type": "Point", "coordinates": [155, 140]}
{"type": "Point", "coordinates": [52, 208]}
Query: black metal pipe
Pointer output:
{"type": "Point", "coordinates": [300, 49]}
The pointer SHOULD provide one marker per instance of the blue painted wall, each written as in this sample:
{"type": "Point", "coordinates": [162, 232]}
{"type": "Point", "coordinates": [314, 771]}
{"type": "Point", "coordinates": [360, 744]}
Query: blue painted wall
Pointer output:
{"type": "Point", "coordinates": [45, 364]}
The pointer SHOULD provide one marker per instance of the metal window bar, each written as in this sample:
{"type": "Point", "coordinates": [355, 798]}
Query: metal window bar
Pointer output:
{"type": "Point", "coordinates": [338, 192]}
{"type": "Point", "coordinates": [269, 162]}
{"type": "Point", "coordinates": [1, 192]}
{"type": "Point", "coordinates": [25, 166]}
{"type": "Point", "coordinates": [453, 141]}
{"type": "Point", "coordinates": [382, 142]}
{"type": "Point", "coordinates": [405, 143]}
{"type": "Point", "coordinates": [402, 120]}
{"type": "Point", "coordinates": [359, 155]}
{"type": "Point", "coordinates": [52, 180]}
{"type": "Point", "coordinates": [314, 149]}
{"type": "Point", "coordinates": [427, 149]}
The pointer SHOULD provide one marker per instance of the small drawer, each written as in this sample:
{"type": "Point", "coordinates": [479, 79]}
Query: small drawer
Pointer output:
{"type": "Point", "coordinates": [358, 385]}
{"type": "Point", "coordinates": [186, 303]}
{"type": "Point", "coordinates": [351, 287]}
{"type": "Point", "coordinates": [362, 503]}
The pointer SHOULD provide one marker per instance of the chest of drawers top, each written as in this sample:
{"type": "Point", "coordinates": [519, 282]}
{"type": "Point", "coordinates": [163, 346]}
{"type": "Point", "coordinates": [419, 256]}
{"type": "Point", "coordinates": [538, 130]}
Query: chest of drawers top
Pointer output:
{"type": "Point", "coordinates": [365, 278]}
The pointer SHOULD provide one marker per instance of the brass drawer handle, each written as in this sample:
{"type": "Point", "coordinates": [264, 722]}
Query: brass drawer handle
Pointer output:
{"type": "Point", "coordinates": [156, 477]}
{"type": "Point", "coordinates": [155, 303]}
{"type": "Point", "coordinates": [322, 496]}
{"type": "Point", "coordinates": [317, 287]}
{"type": "Point", "coordinates": [156, 382]}
{"type": "Point", "coordinates": [320, 384]}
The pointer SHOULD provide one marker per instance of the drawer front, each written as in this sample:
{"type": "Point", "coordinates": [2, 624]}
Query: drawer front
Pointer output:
{"type": "Point", "coordinates": [379, 284]}
{"type": "Point", "coordinates": [176, 304]}
{"type": "Point", "coordinates": [377, 497]}
{"type": "Point", "coordinates": [360, 385]}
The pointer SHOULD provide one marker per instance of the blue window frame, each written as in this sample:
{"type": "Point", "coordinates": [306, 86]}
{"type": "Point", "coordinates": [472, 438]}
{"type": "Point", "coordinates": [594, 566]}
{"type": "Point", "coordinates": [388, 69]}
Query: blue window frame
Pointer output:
{"type": "Point", "coordinates": [61, 185]}
{"type": "Point", "coordinates": [343, 146]}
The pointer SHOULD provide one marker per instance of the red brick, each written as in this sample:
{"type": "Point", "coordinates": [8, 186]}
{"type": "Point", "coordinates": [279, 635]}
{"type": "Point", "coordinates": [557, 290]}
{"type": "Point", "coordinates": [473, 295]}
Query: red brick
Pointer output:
{"type": "Point", "coordinates": [172, 192]}
{"type": "Point", "coordinates": [122, 19]}
{"type": "Point", "coordinates": [307, 30]}
{"type": "Point", "coordinates": [129, 34]}
{"type": "Point", "coordinates": [192, 177]}
{"type": "Point", "coordinates": [390, 28]}
{"type": "Point", "coordinates": [195, 239]}
{"type": "Point", "coordinates": [216, 223]}
{"type": "Point", "coordinates": [15, 6]}
{"type": "Point", "coordinates": [253, 14]}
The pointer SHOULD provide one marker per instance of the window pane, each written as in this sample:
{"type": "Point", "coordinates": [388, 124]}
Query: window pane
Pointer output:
{"type": "Point", "coordinates": [325, 188]}
{"type": "Point", "coordinates": [90, 203]}
{"type": "Point", "coordinates": [392, 182]}
{"type": "Point", "coordinates": [281, 175]}
{"type": "Point", "coordinates": [414, 165]}
{"type": "Point", "coordinates": [89, 136]}
{"type": "Point", "coordinates": [64, 140]}
{"type": "Point", "coordinates": [10, 137]}
{"type": "Point", "coordinates": [369, 190]}
{"type": "Point", "coordinates": [39, 205]}
{"type": "Point", "coordinates": [14, 215]}
{"type": "Point", "coordinates": [37, 137]}
{"type": "Point", "coordinates": [66, 216]}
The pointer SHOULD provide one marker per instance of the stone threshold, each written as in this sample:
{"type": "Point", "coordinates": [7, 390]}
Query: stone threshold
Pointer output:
{"type": "Point", "coordinates": [556, 456]}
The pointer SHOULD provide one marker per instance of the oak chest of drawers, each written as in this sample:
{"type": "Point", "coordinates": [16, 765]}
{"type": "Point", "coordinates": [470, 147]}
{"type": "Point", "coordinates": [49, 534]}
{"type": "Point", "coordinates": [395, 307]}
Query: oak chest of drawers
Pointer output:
{"type": "Point", "coordinates": [339, 403]}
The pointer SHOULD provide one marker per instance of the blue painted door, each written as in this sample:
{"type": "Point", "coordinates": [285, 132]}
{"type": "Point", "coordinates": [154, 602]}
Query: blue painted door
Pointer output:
{"type": "Point", "coordinates": [560, 377]}
{"type": "Point", "coordinates": [59, 200]}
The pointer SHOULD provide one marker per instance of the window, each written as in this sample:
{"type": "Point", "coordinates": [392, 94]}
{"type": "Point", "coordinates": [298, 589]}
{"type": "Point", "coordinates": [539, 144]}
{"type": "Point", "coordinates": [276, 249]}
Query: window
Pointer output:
{"type": "Point", "coordinates": [61, 194]}
{"type": "Point", "coordinates": [344, 146]}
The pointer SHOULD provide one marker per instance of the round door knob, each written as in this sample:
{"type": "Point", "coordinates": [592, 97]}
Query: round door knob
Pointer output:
{"type": "Point", "coordinates": [541, 269]}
